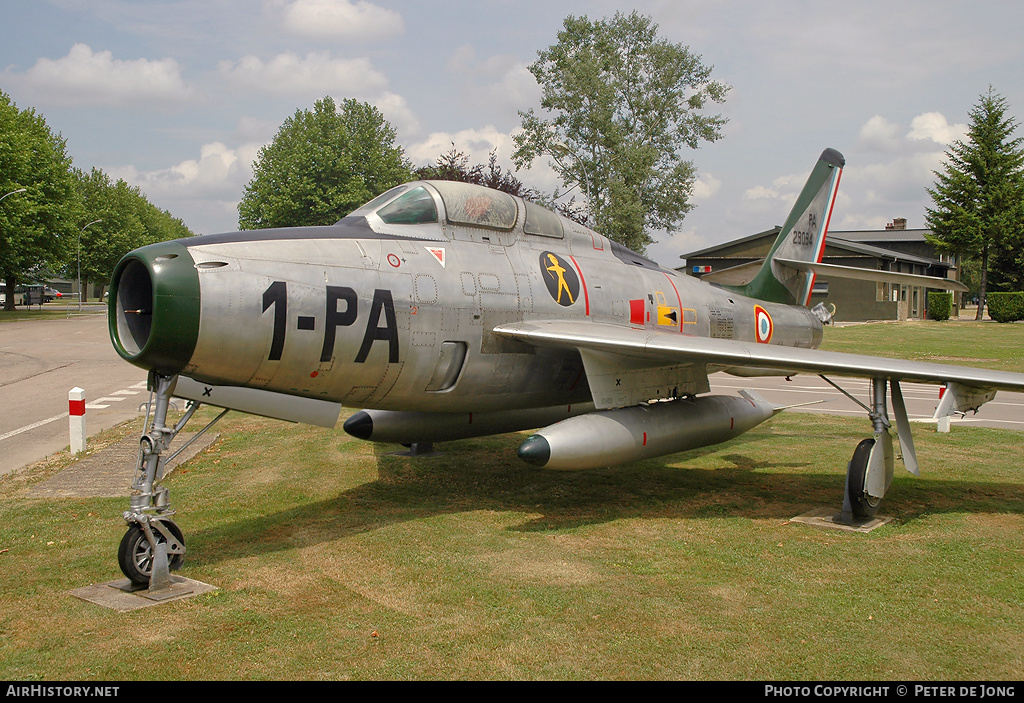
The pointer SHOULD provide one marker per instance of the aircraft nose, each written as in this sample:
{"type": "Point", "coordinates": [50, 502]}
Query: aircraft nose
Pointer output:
{"type": "Point", "coordinates": [153, 307]}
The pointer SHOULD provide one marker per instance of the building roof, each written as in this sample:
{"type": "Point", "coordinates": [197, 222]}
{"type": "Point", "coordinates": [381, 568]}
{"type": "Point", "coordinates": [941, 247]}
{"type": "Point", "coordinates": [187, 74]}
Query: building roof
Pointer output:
{"type": "Point", "coordinates": [774, 231]}
{"type": "Point", "coordinates": [855, 241]}
{"type": "Point", "coordinates": [882, 235]}
{"type": "Point", "coordinates": [881, 252]}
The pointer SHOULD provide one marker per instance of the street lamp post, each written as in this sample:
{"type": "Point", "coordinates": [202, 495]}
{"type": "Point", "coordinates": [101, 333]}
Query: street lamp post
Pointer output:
{"type": "Point", "coordinates": [20, 190]}
{"type": "Point", "coordinates": [80, 263]}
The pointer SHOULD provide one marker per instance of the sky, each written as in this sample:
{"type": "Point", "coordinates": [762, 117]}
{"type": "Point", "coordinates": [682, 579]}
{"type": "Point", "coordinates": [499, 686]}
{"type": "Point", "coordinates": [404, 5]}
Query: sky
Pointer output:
{"type": "Point", "coordinates": [178, 96]}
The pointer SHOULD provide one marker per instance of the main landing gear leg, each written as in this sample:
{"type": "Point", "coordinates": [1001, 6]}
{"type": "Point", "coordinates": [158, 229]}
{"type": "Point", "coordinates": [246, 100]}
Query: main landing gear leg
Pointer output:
{"type": "Point", "coordinates": [870, 471]}
{"type": "Point", "coordinates": [154, 545]}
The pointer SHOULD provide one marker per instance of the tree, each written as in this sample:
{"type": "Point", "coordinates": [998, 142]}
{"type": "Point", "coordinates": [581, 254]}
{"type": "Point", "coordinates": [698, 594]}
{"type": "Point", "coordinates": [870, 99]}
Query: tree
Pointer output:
{"type": "Point", "coordinates": [102, 243]}
{"type": "Point", "coordinates": [978, 197]}
{"type": "Point", "coordinates": [322, 165]}
{"type": "Point", "coordinates": [623, 103]}
{"type": "Point", "coordinates": [453, 165]}
{"type": "Point", "coordinates": [119, 218]}
{"type": "Point", "coordinates": [37, 227]}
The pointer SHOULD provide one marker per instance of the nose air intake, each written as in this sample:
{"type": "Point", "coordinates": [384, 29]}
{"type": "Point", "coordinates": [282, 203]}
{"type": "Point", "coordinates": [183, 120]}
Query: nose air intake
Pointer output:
{"type": "Point", "coordinates": [153, 307]}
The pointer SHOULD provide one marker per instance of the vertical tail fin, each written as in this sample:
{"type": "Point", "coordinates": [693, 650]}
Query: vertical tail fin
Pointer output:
{"type": "Point", "coordinates": [802, 237]}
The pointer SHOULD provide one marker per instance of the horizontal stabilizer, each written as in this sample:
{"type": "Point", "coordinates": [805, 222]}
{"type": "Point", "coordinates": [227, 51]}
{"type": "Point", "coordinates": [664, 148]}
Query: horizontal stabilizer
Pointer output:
{"type": "Point", "coordinates": [859, 274]}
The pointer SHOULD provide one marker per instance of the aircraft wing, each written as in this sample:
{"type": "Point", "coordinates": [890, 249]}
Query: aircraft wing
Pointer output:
{"type": "Point", "coordinates": [647, 347]}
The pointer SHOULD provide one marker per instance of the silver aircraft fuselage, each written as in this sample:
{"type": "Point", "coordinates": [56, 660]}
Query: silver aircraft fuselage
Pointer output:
{"type": "Point", "coordinates": [399, 316]}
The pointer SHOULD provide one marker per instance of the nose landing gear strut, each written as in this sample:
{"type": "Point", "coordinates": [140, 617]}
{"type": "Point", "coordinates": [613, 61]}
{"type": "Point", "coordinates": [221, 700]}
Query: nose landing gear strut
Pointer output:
{"type": "Point", "coordinates": [154, 545]}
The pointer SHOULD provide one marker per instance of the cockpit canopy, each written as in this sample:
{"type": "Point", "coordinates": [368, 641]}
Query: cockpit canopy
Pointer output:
{"type": "Point", "coordinates": [464, 204]}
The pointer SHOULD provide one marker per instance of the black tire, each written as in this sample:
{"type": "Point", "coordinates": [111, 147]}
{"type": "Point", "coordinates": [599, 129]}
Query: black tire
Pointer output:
{"type": "Point", "coordinates": [864, 506]}
{"type": "Point", "coordinates": [135, 556]}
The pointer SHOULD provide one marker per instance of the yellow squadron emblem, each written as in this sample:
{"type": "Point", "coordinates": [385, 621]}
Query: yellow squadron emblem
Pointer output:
{"type": "Point", "coordinates": [560, 278]}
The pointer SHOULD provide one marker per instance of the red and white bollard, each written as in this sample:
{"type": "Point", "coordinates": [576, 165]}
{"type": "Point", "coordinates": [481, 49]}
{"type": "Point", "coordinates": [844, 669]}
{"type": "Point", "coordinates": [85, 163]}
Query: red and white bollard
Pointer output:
{"type": "Point", "coordinates": [76, 415]}
{"type": "Point", "coordinates": [942, 421]}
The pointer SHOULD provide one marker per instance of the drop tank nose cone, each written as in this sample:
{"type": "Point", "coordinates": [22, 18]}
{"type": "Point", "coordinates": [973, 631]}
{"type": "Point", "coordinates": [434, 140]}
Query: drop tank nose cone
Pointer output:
{"type": "Point", "coordinates": [359, 425]}
{"type": "Point", "coordinates": [535, 450]}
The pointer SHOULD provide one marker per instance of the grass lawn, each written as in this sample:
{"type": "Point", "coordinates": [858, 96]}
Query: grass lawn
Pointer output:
{"type": "Point", "coordinates": [337, 560]}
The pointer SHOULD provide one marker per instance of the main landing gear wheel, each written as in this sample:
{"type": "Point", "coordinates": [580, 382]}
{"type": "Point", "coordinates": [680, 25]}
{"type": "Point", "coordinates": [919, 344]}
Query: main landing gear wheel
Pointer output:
{"type": "Point", "coordinates": [135, 555]}
{"type": "Point", "coordinates": [863, 505]}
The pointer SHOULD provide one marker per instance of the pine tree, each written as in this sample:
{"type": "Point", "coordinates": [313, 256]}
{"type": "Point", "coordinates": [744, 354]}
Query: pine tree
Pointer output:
{"type": "Point", "coordinates": [979, 196]}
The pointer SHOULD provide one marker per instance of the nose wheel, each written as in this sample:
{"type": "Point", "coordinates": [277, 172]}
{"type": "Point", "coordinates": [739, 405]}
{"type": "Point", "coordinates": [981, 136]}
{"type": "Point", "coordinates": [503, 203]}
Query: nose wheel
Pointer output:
{"type": "Point", "coordinates": [136, 554]}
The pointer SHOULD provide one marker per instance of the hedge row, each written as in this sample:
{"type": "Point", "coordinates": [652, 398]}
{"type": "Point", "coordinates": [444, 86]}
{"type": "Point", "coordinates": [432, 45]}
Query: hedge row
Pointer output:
{"type": "Point", "coordinates": [939, 305]}
{"type": "Point", "coordinates": [1005, 307]}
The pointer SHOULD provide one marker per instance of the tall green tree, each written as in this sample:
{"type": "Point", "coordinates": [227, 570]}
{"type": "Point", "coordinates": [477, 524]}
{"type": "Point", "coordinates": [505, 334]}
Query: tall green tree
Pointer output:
{"type": "Point", "coordinates": [160, 225]}
{"type": "Point", "coordinates": [978, 197]}
{"type": "Point", "coordinates": [623, 103]}
{"type": "Point", "coordinates": [37, 227]}
{"type": "Point", "coordinates": [111, 228]}
{"type": "Point", "coordinates": [322, 164]}
{"type": "Point", "coordinates": [117, 218]}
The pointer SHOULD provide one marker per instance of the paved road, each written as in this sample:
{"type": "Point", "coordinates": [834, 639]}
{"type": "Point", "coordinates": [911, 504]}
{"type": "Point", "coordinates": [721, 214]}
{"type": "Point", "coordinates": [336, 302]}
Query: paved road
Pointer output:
{"type": "Point", "coordinates": [40, 361]}
{"type": "Point", "coordinates": [1005, 412]}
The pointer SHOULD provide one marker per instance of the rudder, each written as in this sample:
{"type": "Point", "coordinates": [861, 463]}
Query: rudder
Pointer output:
{"type": "Point", "coordinates": [802, 237]}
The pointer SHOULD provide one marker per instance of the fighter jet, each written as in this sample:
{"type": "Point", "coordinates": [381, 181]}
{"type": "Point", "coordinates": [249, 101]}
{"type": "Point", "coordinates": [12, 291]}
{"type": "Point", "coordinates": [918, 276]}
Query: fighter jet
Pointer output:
{"type": "Point", "coordinates": [444, 310]}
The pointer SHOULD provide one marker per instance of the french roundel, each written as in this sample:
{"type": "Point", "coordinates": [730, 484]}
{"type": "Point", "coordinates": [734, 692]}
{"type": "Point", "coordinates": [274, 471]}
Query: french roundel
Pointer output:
{"type": "Point", "coordinates": [763, 324]}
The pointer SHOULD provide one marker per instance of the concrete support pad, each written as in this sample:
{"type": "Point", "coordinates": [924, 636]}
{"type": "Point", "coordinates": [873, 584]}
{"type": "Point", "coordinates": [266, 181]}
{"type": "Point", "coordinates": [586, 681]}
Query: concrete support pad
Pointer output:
{"type": "Point", "coordinates": [422, 449]}
{"type": "Point", "coordinates": [122, 596]}
{"type": "Point", "coordinates": [830, 519]}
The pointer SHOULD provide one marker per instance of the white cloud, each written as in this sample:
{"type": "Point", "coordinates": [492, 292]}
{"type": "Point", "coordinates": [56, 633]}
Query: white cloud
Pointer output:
{"type": "Point", "coordinates": [785, 188]}
{"type": "Point", "coordinates": [318, 73]}
{"type": "Point", "coordinates": [704, 188]}
{"type": "Point", "coordinates": [342, 19]}
{"type": "Point", "coordinates": [476, 143]}
{"type": "Point", "coordinates": [206, 189]}
{"type": "Point", "coordinates": [515, 89]}
{"type": "Point", "coordinates": [893, 181]}
{"type": "Point", "coordinates": [85, 77]}
{"type": "Point", "coordinates": [933, 127]}
{"type": "Point", "coordinates": [396, 111]}
{"type": "Point", "coordinates": [879, 134]}
{"type": "Point", "coordinates": [500, 84]}
{"type": "Point", "coordinates": [463, 60]}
